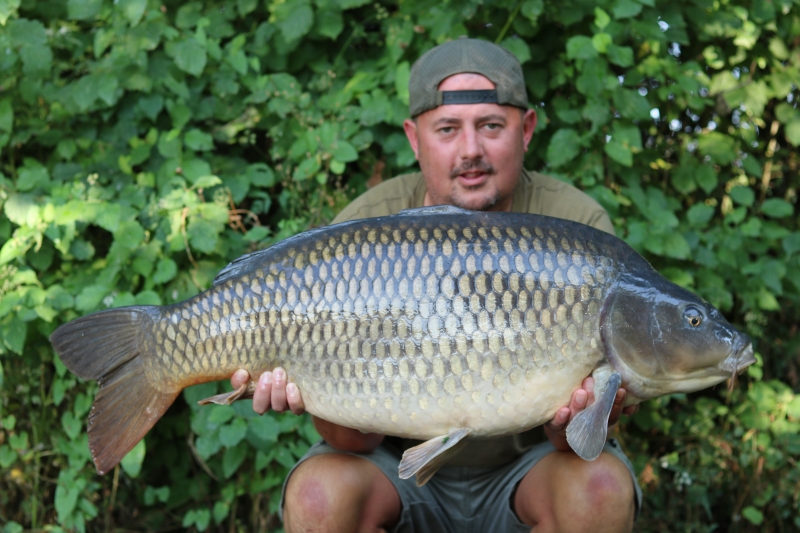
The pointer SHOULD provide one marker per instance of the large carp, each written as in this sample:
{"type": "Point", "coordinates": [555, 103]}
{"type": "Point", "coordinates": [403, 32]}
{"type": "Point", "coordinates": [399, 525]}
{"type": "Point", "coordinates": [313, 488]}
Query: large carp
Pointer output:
{"type": "Point", "coordinates": [434, 324]}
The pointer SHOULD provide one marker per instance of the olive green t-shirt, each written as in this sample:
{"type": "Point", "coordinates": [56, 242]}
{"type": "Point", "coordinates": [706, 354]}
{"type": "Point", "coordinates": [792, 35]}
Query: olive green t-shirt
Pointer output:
{"type": "Point", "coordinates": [536, 194]}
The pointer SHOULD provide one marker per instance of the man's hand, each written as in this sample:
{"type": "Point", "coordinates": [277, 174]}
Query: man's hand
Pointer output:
{"type": "Point", "coordinates": [556, 429]}
{"type": "Point", "coordinates": [272, 392]}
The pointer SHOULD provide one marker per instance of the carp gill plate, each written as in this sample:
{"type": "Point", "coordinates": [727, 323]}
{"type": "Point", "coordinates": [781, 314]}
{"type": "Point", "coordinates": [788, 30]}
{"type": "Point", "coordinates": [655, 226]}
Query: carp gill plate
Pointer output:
{"type": "Point", "coordinates": [434, 324]}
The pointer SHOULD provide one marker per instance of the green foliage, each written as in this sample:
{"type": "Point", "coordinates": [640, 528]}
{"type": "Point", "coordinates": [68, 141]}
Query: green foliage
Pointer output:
{"type": "Point", "coordinates": [145, 144]}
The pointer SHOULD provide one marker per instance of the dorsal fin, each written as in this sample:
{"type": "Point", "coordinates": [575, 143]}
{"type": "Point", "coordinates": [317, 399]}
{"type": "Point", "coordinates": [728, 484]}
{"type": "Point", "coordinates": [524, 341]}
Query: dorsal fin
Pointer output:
{"type": "Point", "coordinates": [239, 266]}
{"type": "Point", "coordinates": [435, 210]}
{"type": "Point", "coordinates": [254, 260]}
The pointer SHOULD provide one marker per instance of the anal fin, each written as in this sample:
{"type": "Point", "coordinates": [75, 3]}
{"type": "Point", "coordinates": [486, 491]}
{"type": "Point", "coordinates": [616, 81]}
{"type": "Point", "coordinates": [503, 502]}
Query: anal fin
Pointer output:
{"type": "Point", "coordinates": [424, 460]}
{"type": "Point", "coordinates": [244, 392]}
{"type": "Point", "coordinates": [586, 433]}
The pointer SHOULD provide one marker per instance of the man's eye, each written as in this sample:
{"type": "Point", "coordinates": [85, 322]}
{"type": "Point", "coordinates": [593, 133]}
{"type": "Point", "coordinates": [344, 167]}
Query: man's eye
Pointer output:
{"type": "Point", "coordinates": [446, 131]}
{"type": "Point", "coordinates": [492, 126]}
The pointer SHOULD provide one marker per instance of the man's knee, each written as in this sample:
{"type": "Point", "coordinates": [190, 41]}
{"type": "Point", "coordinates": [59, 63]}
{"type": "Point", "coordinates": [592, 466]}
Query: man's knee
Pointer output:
{"type": "Point", "coordinates": [335, 492]}
{"type": "Point", "coordinates": [565, 493]}
{"type": "Point", "coordinates": [607, 483]}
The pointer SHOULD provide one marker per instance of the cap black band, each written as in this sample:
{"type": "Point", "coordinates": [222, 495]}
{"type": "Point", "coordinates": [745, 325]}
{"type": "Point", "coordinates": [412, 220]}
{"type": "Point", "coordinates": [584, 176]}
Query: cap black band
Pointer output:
{"type": "Point", "coordinates": [466, 97]}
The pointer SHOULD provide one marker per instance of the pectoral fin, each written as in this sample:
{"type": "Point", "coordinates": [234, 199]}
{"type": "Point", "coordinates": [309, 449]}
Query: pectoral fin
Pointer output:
{"type": "Point", "coordinates": [424, 460]}
{"type": "Point", "coordinates": [586, 433]}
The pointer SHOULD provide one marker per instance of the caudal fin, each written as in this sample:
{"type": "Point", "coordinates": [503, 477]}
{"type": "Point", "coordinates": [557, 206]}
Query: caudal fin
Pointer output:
{"type": "Point", "coordinates": [108, 347]}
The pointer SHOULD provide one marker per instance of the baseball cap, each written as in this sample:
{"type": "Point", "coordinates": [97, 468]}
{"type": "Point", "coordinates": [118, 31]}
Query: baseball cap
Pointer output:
{"type": "Point", "coordinates": [466, 55]}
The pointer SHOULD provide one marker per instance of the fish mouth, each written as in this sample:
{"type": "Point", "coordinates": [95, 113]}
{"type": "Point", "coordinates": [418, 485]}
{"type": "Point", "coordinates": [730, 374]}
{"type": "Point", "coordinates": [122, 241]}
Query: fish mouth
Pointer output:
{"type": "Point", "coordinates": [737, 362]}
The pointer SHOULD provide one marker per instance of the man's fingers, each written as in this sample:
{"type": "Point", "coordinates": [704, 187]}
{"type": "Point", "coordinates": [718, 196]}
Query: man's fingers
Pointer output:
{"type": "Point", "coordinates": [263, 395]}
{"type": "Point", "coordinates": [616, 410]}
{"type": "Point", "coordinates": [294, 399]}
{"type": "Point", "coordinates": [579, 399]}
{"type": "Point", "coordinates": [630, 410]}
{"type": "Point", "coordinates": [279, 403]}
{"type": "Point", "coordinates": [560, 419]}
{"type": "Point", "coordinates": [239, 378]}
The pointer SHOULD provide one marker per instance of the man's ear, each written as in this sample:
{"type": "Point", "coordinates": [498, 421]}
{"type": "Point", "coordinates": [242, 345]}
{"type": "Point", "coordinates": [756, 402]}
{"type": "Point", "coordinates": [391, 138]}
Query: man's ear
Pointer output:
{"type": "Point", "coordinates": [528, 125]}
{"type": "Point", "coordinates": [410, 127]}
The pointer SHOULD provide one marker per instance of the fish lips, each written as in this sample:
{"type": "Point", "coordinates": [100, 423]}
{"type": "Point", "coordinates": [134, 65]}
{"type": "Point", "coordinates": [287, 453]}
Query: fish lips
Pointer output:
{"type": "Point", "coordinates": [739, 360]}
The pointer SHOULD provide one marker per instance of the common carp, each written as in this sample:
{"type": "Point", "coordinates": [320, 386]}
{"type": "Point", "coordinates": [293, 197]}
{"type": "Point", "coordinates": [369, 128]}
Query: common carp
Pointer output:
{"type": "Point", "coordinates": [436, 324]}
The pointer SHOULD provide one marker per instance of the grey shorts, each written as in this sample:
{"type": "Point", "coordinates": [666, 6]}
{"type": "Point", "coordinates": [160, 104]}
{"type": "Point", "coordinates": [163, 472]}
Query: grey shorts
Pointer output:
{"type": "Point", "coordinates": [461, 499]}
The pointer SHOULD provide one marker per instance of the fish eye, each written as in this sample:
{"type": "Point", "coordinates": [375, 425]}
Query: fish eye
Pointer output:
{"type": "Point", "coordinates": [693, 316]}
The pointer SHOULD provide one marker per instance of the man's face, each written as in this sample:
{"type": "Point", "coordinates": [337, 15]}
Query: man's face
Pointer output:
{"type": "Point", "coordinates": [471, 154]}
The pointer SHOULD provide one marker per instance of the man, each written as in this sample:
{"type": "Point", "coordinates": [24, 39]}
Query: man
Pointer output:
{"type": "Point", "coordinates": [469, 130]}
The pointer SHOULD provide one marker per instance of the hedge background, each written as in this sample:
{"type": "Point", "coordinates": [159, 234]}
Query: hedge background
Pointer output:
{"type": "Point", "coordinates": [145, 144]}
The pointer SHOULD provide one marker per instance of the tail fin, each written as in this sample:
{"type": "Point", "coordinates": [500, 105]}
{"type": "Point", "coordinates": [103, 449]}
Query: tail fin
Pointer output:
{"type": "Point", "coordinates": [107, 347]}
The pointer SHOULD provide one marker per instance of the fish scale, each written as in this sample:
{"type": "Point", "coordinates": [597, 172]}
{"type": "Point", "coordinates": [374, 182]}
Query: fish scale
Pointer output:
{"type": "Point", "coordinates": [436, 324]}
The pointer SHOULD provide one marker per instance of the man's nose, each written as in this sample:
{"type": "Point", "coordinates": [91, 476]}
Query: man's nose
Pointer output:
{"type": "Point", "coordinates": [471, 147]}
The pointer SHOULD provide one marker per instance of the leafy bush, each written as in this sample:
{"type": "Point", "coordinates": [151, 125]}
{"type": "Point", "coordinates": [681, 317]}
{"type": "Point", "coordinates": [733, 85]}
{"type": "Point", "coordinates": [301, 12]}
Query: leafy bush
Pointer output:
{"type": "Point", "coordinates": [145, 144]}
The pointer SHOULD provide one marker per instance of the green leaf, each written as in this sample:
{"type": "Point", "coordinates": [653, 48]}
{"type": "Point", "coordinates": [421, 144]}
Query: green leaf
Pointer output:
{"type": "Point", "coordinates": [260, 175]}
{"type": "Point", "coordinates": [132, 462]}
{"type": "Point", "coordinates": [581, 47]}
{"type": "Point", "coordinates": [166, 270]}
{"type": "Point", "coordinates": [196, 169]}
{"type": "Point", "coordinates": [233, 433]}
{"type": "Point", "coordinates": [791, 243]}
{"type": "Point", "coordinates": [329, 23]}
{"type": "Point", "coordinates": [601, 18]}
{"type": "Point", "coordinates": [6, 115]}
{"type": "Point", "coordinates": [7, 456]}
{"type": "Point", "coordinates": [675, 245]}
{"type": "Point", "coordinates": [190, 56]}
{"type": "Point", "coordinates": [767, 301]}
{"type": "Point", "coordinates": [682, 178]}
{"type": "Point", "coordinates": [32, 175]}
{"type": "Point", "coordinates": [13, 335]}
{"type": "Point", "coordinates": [220, 512]}
{"type": "Point", "coordinates": [531, 9]}
{"type": "Point", "coordinates": [519, 48]}
{"type": "Point", "coordinates": [308, 168]}
{"type": "Point", "coordinates": [706, 178]}
{"type": "Point", "coordinates": [564, 147]}
{"type": "Point", "coordinates": [233, 458]}
{"type": "Point", "coordinates": [90, 297]}
{"type": "Point", "coordinates": [206, 182]}
{"type": "Point", "coordinates": [72, 426]}
{"type": "Point", "coordinates": [297, 18]}
{"type": "Point", "coordinates": [8, 8]}
{"type": "Point", "coordinates": [133, 10]}
{"type": "Point", "coordinates": [620, 55]}
{"type": "Point", "coordinates": [743, 196]}
{"type": "Point", "coordinates": [699, 214]}
{"type": "Point", "coordinates": [203, 234]}
{"type": "Point", "coordinates": [619, 153]}
{"type": "Point", "coordinates": [631, 104]}
{"type": "Point", "coordinates": [66, 498]}
{"type": "Point", "coordinates": [601, 42]}
{"type": "Point", "coordinates": [198, 141]}
{"type": "Point", "coordinates": [345, 152]}
{"type": "Point", "coordinates": [401, 77]}
{"type": "Point", "coordinates": [753, 515]}
{"type": "Point", "coordinates": [792, 132]}
{"type": "Point", "coordinates": [626, 9]}
{"type": "Point", "coordinates": [720, 147]}
{"type": "Point", "coordinates": [777, 208]}
{"type": "Point", "coordinates": [83, 9]}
